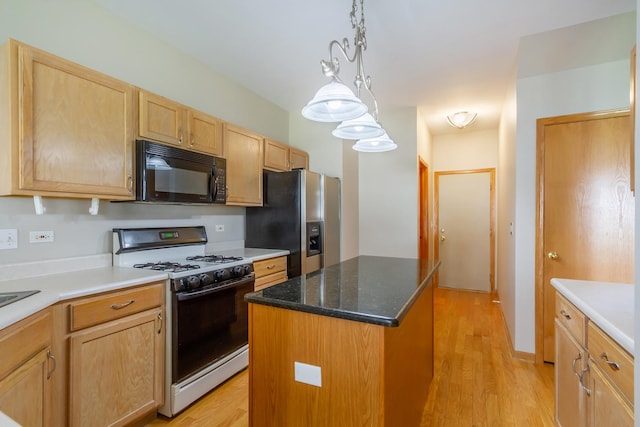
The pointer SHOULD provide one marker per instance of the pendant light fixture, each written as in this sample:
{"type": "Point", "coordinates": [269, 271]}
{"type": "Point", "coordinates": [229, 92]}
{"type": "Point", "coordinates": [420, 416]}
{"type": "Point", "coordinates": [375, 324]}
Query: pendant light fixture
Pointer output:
{"type": "Point", "coordinates": [375, 145]}
{"type": "Point", "coordinates": [335, 102]}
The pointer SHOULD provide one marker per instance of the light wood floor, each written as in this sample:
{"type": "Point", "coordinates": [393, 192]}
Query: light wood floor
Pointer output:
{"type": "Point", "coordinates": [476, 382]}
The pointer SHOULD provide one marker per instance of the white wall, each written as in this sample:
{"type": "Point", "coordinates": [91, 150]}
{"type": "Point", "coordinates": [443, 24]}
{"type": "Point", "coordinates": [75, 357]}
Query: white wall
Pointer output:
{"type": "Point", "coordinates": [83, 32]}
{"type": "Point", "coordinates": [599, 87]}
{"type": "Point", "coordinates": [506, 239]}
{"type": "Point", "coordinates": [389, 191]}
{"type": "Point", "coordinates": [466, 149]}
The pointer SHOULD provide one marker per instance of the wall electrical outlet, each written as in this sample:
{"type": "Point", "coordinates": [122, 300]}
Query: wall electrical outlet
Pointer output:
{"type": "Point", "coordinates": [40, 236]}
{"type": "Point", "coordinates": [9, 238]}
{"type": "Point", "coordinates": [219, 227]}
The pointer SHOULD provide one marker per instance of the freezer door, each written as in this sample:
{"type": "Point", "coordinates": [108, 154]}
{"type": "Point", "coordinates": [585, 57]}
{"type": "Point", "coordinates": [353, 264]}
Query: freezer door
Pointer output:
{"type": "Point", "coordinates": [313, 197]}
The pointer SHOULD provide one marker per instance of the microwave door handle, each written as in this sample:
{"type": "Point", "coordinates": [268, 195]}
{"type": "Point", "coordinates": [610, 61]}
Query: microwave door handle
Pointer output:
{"type": "Point", "coordinates": [213, 186]}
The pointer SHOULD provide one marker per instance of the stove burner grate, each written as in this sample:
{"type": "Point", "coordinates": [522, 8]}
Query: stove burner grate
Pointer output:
{"type": "Point", "coordinates": [216, 259]}
{"type": "Point", "coordinates": [167, 266]}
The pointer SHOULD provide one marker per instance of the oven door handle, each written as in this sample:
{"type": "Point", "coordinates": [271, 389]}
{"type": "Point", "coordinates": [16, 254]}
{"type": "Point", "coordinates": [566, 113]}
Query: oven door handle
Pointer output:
{"type": "Point", "coordinates": [185, 296]}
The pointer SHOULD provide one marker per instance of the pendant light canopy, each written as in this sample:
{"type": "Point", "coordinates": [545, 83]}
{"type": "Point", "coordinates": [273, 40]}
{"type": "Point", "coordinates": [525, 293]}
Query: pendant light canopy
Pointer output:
{"type": "Point", "coordinates": [335, 102]}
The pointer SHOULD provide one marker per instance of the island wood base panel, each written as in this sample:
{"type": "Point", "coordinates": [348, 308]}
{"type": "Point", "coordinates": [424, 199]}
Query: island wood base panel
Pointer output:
{"type": "Point", "coordinates": [371, 375]}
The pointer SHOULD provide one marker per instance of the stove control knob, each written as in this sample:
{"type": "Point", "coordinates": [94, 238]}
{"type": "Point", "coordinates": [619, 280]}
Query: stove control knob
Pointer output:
{"type": "Point", "coordinates": [248, 268]}
{"type": "Point", "coordinates": [223, 274]}
{"type": "Point", "coordinates": [238, 271]}
{"type": "Point", "coordinates": [205, 279]}
{"type": "Point", "coordinates": [192, 282]}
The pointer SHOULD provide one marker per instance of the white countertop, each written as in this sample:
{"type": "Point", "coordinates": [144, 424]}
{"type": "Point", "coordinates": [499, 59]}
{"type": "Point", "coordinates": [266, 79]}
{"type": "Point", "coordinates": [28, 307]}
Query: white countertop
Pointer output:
{"type": "Point", "coordinates": [608, 305]}
{"type": "Point", "coordinates": [59, 286]}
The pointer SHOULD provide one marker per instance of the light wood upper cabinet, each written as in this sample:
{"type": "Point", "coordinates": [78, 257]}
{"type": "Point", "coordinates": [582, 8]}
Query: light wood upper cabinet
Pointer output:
{"type": "Point", "coordinates": [282, 157]}
{"type": "Point", "coordinates": [166, 121]}
{"type": "Point", "coordinates": [161, 119]}
{"type": "Point", "coordinates": [26, 367]}
{"type": "Point", "coordinates": [205, 133]}
{"type": "Point", "coordinates": [298, 158]}
{"type": "Point", "coordinates": [244, 151]}
{"type": "Point", "coordinates": [66, 130]}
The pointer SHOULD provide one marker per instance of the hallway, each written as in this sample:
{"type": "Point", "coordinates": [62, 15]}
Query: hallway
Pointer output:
{"type": "Point", "coordinates": [476, 382]}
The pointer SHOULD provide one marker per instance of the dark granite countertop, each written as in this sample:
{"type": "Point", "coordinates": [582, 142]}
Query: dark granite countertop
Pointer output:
{"type": "Point", "coordinates": [378, 290]}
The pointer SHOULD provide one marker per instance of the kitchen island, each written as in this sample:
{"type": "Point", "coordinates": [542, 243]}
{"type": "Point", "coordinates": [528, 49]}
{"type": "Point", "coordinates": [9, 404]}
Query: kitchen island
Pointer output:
{"type": "Point", "coordinates": [350, 344]}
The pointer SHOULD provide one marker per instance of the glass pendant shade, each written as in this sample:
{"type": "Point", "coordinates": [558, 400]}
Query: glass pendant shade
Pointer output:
{"type": "Point", "coordinates": [375, 145]}
{"type": "Point", "coordinates": [360, 128]}
{"type": "Point", "coordinates": [334, 102]}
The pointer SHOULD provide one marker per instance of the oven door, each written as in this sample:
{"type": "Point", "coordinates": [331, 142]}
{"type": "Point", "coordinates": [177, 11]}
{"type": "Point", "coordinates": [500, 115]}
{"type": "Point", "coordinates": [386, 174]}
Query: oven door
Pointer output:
{"type": "Point", "coordinates": [208, 324]}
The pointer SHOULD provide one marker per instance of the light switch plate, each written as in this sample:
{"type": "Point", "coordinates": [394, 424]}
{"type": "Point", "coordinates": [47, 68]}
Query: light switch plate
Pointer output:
{"type": "Point", "coordinates": [9, 238]}
{"type": "Point", "coordinates": [308, 374]}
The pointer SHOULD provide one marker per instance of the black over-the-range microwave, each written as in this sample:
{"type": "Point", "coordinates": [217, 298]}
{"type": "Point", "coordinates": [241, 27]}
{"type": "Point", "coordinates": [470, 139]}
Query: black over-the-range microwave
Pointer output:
{"type": "Point", "coordinates": [166, 174]}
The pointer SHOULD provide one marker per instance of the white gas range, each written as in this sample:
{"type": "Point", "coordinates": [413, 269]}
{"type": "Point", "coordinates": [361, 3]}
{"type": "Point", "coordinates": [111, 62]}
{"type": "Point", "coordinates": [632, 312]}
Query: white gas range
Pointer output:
{"type": "Point", "coordinates": [207, 340]}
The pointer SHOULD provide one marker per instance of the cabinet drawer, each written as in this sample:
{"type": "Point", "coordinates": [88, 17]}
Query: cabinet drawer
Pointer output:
{"type": "Point", "coordinates": [620, 367]}
{"type": "Point", "coordinates": [269, 266]}
{"type": "Point", "coordinates": [571, 318]}
{"type": "Point", "coordinates": [270, 280]}
{"type": "Point", "coordinates": [93, 311]}
{"type": "Point", "coordinates": [23, 339]}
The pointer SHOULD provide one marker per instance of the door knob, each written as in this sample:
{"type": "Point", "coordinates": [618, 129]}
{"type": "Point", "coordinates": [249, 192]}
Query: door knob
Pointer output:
{"type": "Point", "coordinates": [442, 238]}
{"type": "Point", "coordinates": [552, 255]}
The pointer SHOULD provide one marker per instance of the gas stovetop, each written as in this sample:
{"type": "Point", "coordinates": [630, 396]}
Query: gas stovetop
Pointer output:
{"type": "Point", "coordinates": [180, 251]}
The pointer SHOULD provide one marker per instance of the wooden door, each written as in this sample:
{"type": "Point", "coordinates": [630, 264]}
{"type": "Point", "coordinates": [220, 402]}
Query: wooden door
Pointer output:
{"type": "Point", "coordinates": [585, 208]}
{"type": "Point", "coordinates": [276, 155]}
{"type": "Point", "coordinates": [423, 201]}
{"type": "Point", "coordinates": [244, 151]}
{"type": "Point", "coordinates": [205, 133]}
{"type": "Point", "coordinates": [117, 370]}
{"type": "Point", "coordinates": [76, 129]}
{"type": "Point", "coordinates": [465, 240]}
{"type": "Point", "coordinates": [298, 159]}
{"type": "Point", "coordinates": [161, 119]}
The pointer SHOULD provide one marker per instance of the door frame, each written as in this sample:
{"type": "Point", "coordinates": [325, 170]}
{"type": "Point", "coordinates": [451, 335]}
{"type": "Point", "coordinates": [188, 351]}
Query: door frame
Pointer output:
{"type": "Point", "coordinates": [423, 203]}
{"type": "Point", "coordinates": [539, 256]}
{"type": "Point", "coordinates": [492, 221]}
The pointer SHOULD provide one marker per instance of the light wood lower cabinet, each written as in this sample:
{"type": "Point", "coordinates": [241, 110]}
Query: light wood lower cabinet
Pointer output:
{"type": "Point", "coordinates": [270, 272]}
{"type": "Point", "coordinates": [26, 367]}
{"type": "Point", "coordinates": [113, 348]}
{"type": "Point", "coordinates": [65, 130]}
{"type": "Point", "coordinates": [594, 374]}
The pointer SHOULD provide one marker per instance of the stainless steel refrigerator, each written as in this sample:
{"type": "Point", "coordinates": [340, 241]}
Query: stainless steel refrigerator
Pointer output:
{"type": "Point", "coordinates": [300, 213]}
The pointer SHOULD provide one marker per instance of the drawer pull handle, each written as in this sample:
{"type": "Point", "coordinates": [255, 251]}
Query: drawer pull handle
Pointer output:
{"type": "Point", "coordinates": [159, 321]}
{"type": "Point", "coordinates": [270, 267]}
{"type": "Point", "coordinates": [123, 305]}
{"type": "Point", "coordinates": [565, 314]}
{"type": "Point", "coordinates": [612, 365]}
{"type": "Point", "coordinates": [53, 360]}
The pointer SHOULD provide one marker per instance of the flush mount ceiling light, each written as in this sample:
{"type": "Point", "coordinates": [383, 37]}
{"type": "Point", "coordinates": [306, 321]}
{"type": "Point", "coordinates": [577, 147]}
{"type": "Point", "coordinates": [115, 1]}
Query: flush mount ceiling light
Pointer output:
{"type": "Point", "coordinates": [461, 119]}
{"type": "Point", "coordinates": [375, 145]}
{"type": "Point", "coordinates": [335, 102]}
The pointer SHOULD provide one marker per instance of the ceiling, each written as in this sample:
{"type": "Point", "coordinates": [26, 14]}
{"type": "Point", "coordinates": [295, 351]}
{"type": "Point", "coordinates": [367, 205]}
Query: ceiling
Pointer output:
{"type": "Point", "coordinates": [440, 56]}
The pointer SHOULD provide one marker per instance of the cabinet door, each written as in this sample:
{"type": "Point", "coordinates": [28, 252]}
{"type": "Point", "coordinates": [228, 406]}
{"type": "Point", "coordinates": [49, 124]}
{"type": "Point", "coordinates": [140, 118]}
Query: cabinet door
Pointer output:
{"type": "Point", "coordinates": [77, 129]}
{"type": "Point", "coordinates": [24, 392]}
{"type": "Point", "coordinates": [607, 407]}
{"type": "Point", "coordinates": [298, 158]}
{"type": "Point", "coordinates": [571, 359]}
{"type": "Point", "coordinates": [205, 133]}
{"type": "Point", "coordinates": [116, 370]}
{"type": "Point", "coordinates": [161, 119]}
{"type": "Point", "coordinates": [276, 155]}
{"type": "Point", "coordinates": [244, 166]}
